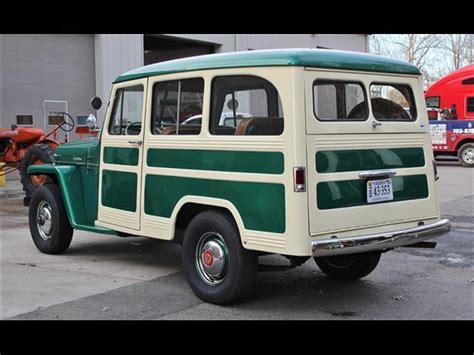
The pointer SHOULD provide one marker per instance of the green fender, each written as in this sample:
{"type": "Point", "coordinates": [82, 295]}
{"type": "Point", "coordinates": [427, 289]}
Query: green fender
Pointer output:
{"type": "Point", "coordinates": [79, 191]}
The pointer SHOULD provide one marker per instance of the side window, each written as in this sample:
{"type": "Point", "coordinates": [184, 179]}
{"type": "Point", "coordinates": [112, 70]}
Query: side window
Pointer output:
{"type": "Point", "coordinates": [245, 105]}
{"type": "Point", "coordinates": [127, 111]}
{"type": "Point", "coordinates": [392, 102]}
{"type": "Point", "coordinates": [339, 101]}
{"type": "Point", "coordinates": [177, 107]}
{"type": "Point", "coordinates": [470, 104]}
{"type": "Point", "coordinates": [432, 101]}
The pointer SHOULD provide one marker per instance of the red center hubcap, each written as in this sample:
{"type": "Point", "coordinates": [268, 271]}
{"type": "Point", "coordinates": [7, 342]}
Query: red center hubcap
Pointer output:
{"type": "Point", "coordinates": [207, 258]}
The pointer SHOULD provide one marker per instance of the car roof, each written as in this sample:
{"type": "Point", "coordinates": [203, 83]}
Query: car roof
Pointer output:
{"type": "Point", "coordinates": [316, 58]}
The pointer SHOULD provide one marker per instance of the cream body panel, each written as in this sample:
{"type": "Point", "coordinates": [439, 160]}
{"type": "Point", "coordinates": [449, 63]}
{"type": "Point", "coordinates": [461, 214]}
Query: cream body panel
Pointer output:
{"type": "Point", "coordinates": [343, 135]}
{"type": "Point", "coordinates": [288, 81]}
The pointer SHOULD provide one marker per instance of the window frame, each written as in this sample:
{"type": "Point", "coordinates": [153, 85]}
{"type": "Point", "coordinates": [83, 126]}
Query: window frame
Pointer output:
{"type": "Point", "coordinates": [364, 91]}
{"type": "Point", "coordinates": [212, 99]}
{"type": "Point", "coordinates": [153, 103]}
{"type": "Point", "coordinates": [412, 119]}
{"type": "Point", "coordinates": [112, 110]}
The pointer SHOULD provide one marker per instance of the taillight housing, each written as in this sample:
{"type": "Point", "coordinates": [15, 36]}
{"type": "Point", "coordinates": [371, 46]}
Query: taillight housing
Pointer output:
{"type": "Point", "coordinates": [299, 178]}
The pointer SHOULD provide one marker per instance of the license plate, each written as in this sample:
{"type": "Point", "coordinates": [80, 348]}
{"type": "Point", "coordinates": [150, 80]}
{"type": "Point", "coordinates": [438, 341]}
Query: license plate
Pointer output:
{"type": "Point", "coordinates": [379, 190]}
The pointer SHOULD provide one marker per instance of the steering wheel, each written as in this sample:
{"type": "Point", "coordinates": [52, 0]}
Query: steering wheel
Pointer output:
{"type": "Point", "coordinates": [66, 125]}
{"type": "Point", "coordinates": [384, 108]}
{"type": "Point", "coordinates": [131, 125]}
{"type": "Point", "coordinates": [381, 108]}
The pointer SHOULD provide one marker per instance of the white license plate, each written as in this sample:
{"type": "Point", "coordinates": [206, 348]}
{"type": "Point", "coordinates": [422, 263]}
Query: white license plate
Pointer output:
{"type": "Point", "coordinates": [379, 190]}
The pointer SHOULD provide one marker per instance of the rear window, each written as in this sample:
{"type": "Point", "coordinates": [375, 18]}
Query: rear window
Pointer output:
{"type": "Point", "coordinates": [392, 102]}
{"type": "Point", "coordinates": [339, 101]}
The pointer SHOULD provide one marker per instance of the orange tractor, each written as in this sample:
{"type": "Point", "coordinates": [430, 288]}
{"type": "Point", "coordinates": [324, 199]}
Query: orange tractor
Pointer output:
{"type": "Point", "coordinates": [21, 147]}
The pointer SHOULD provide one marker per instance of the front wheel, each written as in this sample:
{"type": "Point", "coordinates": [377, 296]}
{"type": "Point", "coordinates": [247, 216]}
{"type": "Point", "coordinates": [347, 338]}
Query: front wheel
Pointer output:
{"type": "Point", "coordinates": [36, 154]}
{"type": "Point", "coordinates": [348, 267]}
{"type": "Point", "coordinates": [466, 155]}
{"type": "Point", "coordinates": [218, 269]}
{"type": "Point", "coordinates": [49, 223]}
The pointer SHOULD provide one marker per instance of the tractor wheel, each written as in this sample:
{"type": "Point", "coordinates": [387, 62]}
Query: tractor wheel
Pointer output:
{"type": "Point", "coordinates": [36, 154]}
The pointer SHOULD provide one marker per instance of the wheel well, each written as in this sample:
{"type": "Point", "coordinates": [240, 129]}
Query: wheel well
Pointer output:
{"type": "Point", "coordinates": [187, 212]}
{"type": "Point", "coordinates": [464, 141]}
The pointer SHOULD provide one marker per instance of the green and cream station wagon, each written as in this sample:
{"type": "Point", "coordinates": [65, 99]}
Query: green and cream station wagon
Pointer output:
{"type": "Point", "coordinates": [299, 152]}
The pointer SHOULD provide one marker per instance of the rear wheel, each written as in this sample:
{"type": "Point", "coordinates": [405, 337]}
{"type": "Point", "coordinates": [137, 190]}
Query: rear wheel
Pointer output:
{"type": "Point", "coordinates": [218, 269]}
{"type": "Point", "coordinates": [466, 155]}
{"type": "Point", "coordinates": [36, 154]}
{"type": "Point", "coordinates": [48, 220]}
{"type": "Point", "coordinates": [348, 267]}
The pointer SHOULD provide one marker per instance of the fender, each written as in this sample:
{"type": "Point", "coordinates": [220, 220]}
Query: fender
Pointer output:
{"type": "Point", "coordinates": [211, 202]}
{"type": "Point", "coordinates": [51, 142]}
{"type": "Point", "coordinates": [68, 178]}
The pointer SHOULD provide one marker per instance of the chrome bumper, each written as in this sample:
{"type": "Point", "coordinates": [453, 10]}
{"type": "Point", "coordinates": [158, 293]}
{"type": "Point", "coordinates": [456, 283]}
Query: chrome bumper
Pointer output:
{"type": "Point", "coordinates": [382, 241]}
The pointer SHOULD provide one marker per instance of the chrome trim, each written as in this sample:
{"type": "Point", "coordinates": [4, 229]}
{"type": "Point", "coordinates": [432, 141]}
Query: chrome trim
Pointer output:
{"type": "Point", "coordinates": [369, 174]}
{"type": "Point", "coordinates": [381, 241]}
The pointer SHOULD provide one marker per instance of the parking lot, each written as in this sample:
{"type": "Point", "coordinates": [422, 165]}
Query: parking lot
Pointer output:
{"type": "Point", "coordinates": [108, 277]}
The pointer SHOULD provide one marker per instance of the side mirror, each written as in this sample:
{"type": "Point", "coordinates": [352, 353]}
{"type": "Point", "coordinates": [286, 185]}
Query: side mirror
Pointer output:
{"type": "Point", "coordinates": [91, 122]}
{"type": "Point", "coordinates": [96, 103]}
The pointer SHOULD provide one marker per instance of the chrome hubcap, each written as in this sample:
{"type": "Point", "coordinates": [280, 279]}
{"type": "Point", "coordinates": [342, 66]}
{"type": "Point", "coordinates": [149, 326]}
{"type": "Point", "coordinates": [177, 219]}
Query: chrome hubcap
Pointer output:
{"type": "Point", "coordinates": [468, 155]}
{"type": "Point", "coordinates": [211, 258]}
{"type": "Point", "coordinates": [44, 220]}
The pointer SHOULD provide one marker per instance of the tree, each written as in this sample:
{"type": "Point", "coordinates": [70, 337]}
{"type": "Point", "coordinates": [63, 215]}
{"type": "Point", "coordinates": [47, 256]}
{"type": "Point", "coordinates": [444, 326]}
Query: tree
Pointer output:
{"type": "Point", "coordinates": [413, 48]}
{"type": "Point", "coordinates": [459, 48]}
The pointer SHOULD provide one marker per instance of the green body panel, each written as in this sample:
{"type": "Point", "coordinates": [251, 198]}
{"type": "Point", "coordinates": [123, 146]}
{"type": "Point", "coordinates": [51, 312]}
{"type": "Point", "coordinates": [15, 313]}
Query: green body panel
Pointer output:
{"type": "Point", "coordinates": [78, 153]}
{"type": "Point", "coordinates": [121, 156]}
{"type": "Point", "coordinates": [217, 160]}
{"type": "Point", "coordinates": [336, 161]}
{"type": "Point", "coordinates": [261, 205]}
{"type": "Point", "coordinates": [348, 193]}
{"type": "Point", "coordinates": [119, 190]}
{"type": "Point", "coordinates": [316, 58]}
{"type": "Point", "coordinates": [79, 191]}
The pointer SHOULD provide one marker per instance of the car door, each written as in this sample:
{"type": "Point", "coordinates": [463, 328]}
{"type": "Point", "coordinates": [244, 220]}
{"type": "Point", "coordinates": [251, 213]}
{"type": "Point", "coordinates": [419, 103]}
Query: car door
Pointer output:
{"type": "Point", "coordinates": [121, 158]}
{"type": "Point", "coordinates": [360, 141]}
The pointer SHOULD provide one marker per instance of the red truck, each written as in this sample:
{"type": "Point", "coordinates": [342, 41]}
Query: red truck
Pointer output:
{"type": "Point", "coordinates": [450, 104]}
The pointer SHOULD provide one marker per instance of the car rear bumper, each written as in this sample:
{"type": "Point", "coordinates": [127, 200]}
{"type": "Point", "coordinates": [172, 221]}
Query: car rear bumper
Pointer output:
{"type": "Point", "coordinates": [382, 241]}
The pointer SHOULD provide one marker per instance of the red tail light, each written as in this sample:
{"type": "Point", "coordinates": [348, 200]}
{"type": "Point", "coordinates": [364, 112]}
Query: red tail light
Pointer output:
{"type": "Point", "coordinates": [433, 115]}
{"type": "Point", "coordinates": [299, 179]}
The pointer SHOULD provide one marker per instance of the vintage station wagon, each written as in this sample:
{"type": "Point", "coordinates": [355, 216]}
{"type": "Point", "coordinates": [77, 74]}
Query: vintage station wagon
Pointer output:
{"type": "Point", "coordinates": [299, 152]}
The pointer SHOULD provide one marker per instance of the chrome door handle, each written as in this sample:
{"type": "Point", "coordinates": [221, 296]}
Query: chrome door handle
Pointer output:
{"type": "Point", "coordinates": [375, 123]}
{"type": "Point", "coordinates": [376, 173]}
{"type": "Point", "coordinates": [137, 142]}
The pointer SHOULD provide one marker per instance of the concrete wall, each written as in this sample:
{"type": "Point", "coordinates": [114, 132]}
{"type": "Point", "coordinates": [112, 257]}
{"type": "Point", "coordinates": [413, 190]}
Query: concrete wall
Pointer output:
{"type": "Point", "coordinates": [114, 55]}
{"type": "Point", "coordinates": [35, 68]}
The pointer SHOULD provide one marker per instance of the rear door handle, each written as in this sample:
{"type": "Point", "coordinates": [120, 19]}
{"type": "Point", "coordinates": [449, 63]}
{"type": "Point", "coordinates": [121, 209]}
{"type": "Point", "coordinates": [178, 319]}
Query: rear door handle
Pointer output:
{"type": "Point", "coordinates": [137, 142]}
{"type": "Point", "coordinates": [376, 173]}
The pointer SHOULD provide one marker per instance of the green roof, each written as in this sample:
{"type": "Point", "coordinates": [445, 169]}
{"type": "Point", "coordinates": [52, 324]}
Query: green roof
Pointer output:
{"type": "Point", "coordinates": [317, 58]}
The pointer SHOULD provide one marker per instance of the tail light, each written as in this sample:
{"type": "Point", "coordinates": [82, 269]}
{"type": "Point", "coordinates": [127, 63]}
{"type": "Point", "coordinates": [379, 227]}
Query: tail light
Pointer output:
{"type": "Point", "coordinates": [299, 179]}
{"type": "Point", "coordinates": [433, 115]}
